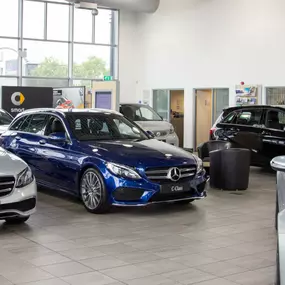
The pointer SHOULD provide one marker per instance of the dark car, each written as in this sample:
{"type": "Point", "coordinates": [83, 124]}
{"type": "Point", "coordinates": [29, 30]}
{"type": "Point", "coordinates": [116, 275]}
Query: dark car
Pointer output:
{"type": "Point", "coordinates": [103, 158]}
{"type": "Point", "coordinates": [260, 128]}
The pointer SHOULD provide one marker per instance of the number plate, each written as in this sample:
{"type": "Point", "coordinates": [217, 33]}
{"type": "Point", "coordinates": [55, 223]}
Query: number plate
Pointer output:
{"type": "Point", "coordinates": [175, 188]}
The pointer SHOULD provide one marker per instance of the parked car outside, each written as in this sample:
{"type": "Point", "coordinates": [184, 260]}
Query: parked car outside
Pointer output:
{"type": "Point", "coordinates": [64, 103]}
{"type": "Point", "coordinates": [258, 128]}
{"type": "Point", "coordinates": [5, 120]}
{"type": "Point", "coordinates": [278, 164]}
{"type": "Point", "coordinates": [18, 190]}
{"type": "Point", "coordinates": [149, 120]}
{"type": "Point", "coordinates": [103, 158]}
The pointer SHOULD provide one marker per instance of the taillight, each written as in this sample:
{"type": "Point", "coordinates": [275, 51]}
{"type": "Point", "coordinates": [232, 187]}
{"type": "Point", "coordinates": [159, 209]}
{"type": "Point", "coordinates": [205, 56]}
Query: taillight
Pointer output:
{"type": "Point", "coordinates": [212, 131]}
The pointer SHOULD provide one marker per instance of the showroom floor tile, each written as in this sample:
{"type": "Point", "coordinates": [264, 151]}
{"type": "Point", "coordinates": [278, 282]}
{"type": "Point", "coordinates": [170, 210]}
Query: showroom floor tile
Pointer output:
{"type": "Point", "coordinates": [226, 239]}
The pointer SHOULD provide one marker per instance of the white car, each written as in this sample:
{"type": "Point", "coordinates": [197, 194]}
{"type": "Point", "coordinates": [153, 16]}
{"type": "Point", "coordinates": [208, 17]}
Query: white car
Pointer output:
{"type": "Point", "coordinates": [18, 190]}
{"type": "Point", "coordinates": [150, 121]}
{"type": "Point", "coordinates": [5, 120]}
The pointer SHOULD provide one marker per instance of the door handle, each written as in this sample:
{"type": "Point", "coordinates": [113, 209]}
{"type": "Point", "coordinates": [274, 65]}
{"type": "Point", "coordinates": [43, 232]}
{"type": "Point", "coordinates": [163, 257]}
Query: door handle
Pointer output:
{"type": "Point", "coordinates": [42, 142]}
{"type": "Point", "coordinates": [266, 133]}
{"type": "Point", "coordinates": [17, 138]}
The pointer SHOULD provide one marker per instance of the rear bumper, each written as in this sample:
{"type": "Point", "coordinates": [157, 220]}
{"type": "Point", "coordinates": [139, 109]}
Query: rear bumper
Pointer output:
{"type": "Point", "coordinates": [21, 202]}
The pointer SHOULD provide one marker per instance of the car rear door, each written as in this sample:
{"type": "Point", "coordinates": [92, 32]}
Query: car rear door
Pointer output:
{"type": "Point", "coordinates": [273, 133]}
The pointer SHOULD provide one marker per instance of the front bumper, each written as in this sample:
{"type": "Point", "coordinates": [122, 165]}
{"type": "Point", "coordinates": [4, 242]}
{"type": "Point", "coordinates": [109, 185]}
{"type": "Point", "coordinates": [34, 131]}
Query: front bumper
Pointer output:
{"type": "Point", "coordinates": [21, 202]}
{"type": "Point", "coordinates": [151, 194]}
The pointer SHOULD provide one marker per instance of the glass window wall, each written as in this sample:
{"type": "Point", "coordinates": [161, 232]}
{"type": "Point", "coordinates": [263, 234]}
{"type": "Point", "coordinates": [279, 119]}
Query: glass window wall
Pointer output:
{"type": "Point", "coordinates": [51, 42]}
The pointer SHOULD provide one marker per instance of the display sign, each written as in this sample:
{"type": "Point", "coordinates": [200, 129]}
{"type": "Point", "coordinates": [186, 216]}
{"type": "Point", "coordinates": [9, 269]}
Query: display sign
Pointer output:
{"type": "Point", "coordinates": [69, 97]}
{"type": "Point", "coordinates": [18, 99]}
{"type": "Point", "coordinates": [246, 95]}
{"type": "Point", "coordinates": [103, 100]}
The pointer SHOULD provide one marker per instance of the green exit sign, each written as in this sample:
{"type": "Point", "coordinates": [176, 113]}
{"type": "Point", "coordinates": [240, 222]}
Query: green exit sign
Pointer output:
{"type": "Point", "coordinates": [108, 78]}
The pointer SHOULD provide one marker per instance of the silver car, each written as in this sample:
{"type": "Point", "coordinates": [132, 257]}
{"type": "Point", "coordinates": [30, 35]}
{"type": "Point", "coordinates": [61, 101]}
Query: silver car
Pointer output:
{"type": "Point", "coordinates": [18, 190]}
{"type": "Point", "coordinates": [150, 121]}
{"type": "Point", "coordinates": [278, 164]}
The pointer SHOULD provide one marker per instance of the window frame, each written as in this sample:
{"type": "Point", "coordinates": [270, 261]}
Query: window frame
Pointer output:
{"type": "Point", "coordinates": [266, 116]}
{"type": "Point", "coordinates": [48, 114]}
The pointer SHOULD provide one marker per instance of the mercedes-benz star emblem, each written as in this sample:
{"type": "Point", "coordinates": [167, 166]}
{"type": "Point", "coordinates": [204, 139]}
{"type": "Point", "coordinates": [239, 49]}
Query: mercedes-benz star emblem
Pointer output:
{"type": "Point", "coordinates": [174, 174]}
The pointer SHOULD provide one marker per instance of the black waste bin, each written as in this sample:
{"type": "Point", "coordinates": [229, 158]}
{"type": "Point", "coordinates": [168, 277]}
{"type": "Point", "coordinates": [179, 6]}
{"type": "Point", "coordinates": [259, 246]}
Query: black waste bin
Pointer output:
{"type": "Point", "coordinates": [204, 150]}
{"type": "Point", "coordinates": [215, 169]}
{"type": "Point", "coordinates": [235, 168]}
{"type": "Point", "coordinates": [229, 169]}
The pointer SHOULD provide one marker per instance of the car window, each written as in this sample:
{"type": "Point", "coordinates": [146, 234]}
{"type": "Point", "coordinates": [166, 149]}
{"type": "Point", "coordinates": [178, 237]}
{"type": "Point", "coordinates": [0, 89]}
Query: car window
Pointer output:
{"type": "Point", "coordinates": [36, 124]}
{"type": "Point", "coordinates": [229, 119]}
{"type": "Point", "coordinates": [18, 123]}
{"type": "Point", "coordinates": [140, 113]}
{"type": "Point", "coordinates": [5, 119]}
{"type": "Point", "coordinates": [249, 117]}
{"type": "Point", "coordinates": [147, 114]}
{"type": "Point", "coordinates": [275, 120]}
{"type": "Point", "coordinates": [54, 125]}
{"type": "Point", "coordinates": [93, 126]}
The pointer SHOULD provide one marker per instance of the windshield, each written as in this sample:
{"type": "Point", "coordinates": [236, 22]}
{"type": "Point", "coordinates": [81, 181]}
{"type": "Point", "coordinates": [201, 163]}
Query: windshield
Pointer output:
{"type": "Point", "coordinates": [140, 113]}
{"type": "Point", "coordinates": [93, 127]}
{"type": "Point", "coordinates": [5, 119]}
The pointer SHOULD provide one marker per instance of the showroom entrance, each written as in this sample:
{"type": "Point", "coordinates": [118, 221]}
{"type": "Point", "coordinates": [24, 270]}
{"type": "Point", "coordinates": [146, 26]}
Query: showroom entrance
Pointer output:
{"type": "Point", "coordinates": [209, 105]}
{"type": "Point", "coordinates": [169, 104]}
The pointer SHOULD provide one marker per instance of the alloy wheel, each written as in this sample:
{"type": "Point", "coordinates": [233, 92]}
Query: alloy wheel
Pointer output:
{"type": "Point", "coordinates": [91, 190]}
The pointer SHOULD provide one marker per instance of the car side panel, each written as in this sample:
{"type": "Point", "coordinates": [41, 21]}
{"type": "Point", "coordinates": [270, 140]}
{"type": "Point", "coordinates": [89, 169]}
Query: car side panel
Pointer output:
{"type": "Point", "coordinates": [61, 164]}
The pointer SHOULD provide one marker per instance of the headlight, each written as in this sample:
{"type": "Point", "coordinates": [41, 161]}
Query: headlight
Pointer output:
{"type": "Point", "coordinates": [123, 171]}
{"type": "Point", "coordinates": [199, 164]}
{"type": "Point", "coordinates": [171, 131]}
{"type": "Point", "coordinates": [24, 178]}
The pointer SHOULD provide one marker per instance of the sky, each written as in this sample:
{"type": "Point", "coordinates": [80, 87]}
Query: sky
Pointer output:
{"type": "Point", "coordinates": [33, 27]}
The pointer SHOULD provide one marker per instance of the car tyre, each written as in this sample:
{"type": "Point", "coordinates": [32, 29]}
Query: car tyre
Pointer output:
{"type": "Point", "coordinates": [93, 192]}
{"type": "Point", "coordinates": [16, 220]}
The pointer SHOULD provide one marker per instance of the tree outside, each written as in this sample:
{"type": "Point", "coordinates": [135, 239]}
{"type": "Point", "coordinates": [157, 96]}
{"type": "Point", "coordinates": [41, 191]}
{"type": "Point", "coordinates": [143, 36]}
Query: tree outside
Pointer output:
{"type": "Point", "coordinates": [92, 68]}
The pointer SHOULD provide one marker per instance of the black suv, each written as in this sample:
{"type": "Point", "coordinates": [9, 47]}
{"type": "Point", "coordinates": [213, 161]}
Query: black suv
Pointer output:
{"type": "Point", "coordinates": [258, 128]}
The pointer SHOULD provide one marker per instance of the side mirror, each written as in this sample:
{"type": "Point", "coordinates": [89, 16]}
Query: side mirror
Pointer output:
{"type": "Point", "coordinates": [278, 163]}
{"type": "Point", "coordinates": [150, 134]}
{"type": "Point", "coordinates": [58, 137]}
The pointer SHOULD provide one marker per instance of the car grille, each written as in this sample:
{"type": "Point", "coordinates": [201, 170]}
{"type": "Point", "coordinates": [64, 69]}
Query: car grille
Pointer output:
{"type": "Point", "coordinates": [160, 175]}
{"type": "Point", "coordinates": [6, 185]}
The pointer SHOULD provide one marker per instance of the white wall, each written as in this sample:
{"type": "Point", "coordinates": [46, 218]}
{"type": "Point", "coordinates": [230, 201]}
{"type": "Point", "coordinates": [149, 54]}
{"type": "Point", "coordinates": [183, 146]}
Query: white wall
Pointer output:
{"type": "Point", "coordinates": [206, 43]}
{"type": "Point", "coordinates": [127, 56]}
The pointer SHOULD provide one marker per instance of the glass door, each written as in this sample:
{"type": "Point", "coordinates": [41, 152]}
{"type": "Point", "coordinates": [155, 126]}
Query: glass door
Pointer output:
{"type": "Point", "coordinates": [161, 103]}
{"type": "Point", "coordinates": [220, 100]}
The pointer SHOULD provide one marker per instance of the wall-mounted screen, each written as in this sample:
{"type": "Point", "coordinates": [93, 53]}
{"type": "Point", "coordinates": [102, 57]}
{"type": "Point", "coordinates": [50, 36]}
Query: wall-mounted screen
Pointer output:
{"type": "Point", "coordinates": [103, 99]}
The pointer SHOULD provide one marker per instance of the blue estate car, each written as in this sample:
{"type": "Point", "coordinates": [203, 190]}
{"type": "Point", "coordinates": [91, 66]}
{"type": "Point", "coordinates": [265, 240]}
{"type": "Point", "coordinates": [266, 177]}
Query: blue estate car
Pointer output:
{"type": "Point", "coordinates": [103, 158]}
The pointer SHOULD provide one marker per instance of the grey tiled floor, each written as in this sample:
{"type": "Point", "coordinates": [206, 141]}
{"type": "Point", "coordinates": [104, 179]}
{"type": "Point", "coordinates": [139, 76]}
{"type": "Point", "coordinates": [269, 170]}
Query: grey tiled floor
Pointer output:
{"type": "Point", "coordinates": [226, 239]}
